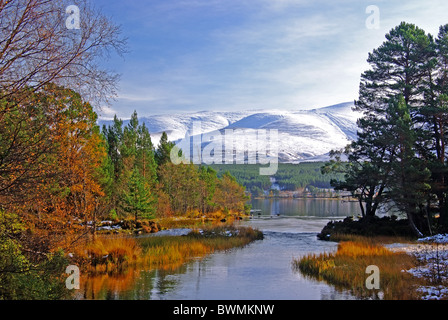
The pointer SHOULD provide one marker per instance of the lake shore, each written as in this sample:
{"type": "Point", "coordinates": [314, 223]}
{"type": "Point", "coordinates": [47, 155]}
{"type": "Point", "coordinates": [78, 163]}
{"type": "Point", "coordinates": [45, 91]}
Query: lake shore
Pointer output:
{"type": "Point", "coordinates": [114, 253]}
{"type": "Point", "coordinates": [408, 269]}
{"type": "Point", "coordinates": [432, 254]}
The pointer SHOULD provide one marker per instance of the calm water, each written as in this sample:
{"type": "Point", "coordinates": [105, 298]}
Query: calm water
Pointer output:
{"type": "Point", "coordinates": [259, 271]}
{"type": "Point", "coordinates": [322, 208]}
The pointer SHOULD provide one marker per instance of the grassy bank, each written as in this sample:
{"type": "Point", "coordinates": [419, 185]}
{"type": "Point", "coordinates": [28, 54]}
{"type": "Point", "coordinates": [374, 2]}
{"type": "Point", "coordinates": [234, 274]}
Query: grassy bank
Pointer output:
{"type": "Point", "coordinates": [346, 269]}
{"type": "Point", "coordinates": [113, 254]}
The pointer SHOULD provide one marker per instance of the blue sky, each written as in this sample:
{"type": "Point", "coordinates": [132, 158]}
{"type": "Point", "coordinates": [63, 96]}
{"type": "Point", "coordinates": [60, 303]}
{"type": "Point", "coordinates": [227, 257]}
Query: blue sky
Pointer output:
{"type": "Point", "coordinates": [233, 55]}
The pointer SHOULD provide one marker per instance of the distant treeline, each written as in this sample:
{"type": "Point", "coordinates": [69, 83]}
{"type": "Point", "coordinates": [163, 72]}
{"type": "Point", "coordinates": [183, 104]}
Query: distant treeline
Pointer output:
{"type": "Point", "coordinates": [289, 177]}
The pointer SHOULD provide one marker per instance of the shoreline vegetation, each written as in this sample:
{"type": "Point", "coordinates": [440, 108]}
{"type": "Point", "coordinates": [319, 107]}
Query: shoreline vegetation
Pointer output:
{"type": "Point", "coordinates": [398, 160]}
{"type": "Point", "coordinates": [61, 174]}
{"type": "Point", "coordinates": [410, 268]}
{"type": "Point", "coordinates": [110, 260]}
{"type": "Point", "coordinates": [346, 269]}
{"type": "Point", "coordinates": [115, 253]}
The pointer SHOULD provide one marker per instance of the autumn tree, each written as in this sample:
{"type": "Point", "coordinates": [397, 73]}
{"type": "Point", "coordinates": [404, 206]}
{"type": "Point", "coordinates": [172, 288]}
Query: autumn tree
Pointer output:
{"type": "Point", "coordinates": [78, 164]}
{"type": "Point", "coordinates": [229, 195]}
{"type": "Point", "coordinates": [26, 143]}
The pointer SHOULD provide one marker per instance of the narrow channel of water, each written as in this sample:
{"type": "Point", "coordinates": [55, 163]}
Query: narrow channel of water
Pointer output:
{"type": "Point", "coordinates": [260, 271]}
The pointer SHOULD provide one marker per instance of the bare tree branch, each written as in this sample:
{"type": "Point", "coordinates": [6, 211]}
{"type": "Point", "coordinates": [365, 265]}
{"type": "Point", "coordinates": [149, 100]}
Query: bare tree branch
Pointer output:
{"type": "Point", "coordinates": [36, 48]}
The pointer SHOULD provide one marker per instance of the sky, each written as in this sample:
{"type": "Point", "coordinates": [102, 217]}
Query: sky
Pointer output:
{"type": "Point", "coordinates": [236, 55]}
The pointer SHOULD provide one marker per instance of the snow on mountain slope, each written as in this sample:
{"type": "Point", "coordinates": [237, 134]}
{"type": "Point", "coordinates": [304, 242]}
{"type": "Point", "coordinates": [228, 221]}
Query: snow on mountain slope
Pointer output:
{"type": "Point", "coordinates": [302, 135]}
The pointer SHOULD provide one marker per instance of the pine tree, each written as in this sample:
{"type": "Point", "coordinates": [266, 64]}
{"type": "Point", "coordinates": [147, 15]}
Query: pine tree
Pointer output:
{"type": "Point", "coordinates": [138, 200]}
{"type": "Point", "coordinates": [207, 187]}
{"type": "Point", "coordinates": [432, 119]}
{"type": "Point", "coordinates": [145, 157]}
{"type": "Point", "coordinates": [129, 144]}
{"type": "Point", "coordinates": [163, 153]}
{"type": "Point", "coordinates": [114, 136]}
{"type": "Point", "coordinates": [392, 143]}
{"type": "Point", "coordinates": [398, 66]}
{"type": "Point", "coordinates": [367, 173]}
{"type": "Point", "coordinates": [409, 185]}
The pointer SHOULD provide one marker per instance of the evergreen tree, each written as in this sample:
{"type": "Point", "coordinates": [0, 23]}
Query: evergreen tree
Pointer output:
{"type": "Point", "coordinates": [367, 173]}
{"type": "Point", "coordinates": [138, 200]}
{"type": "Point", "coordinates": [114, 135]}
{"type": "Point", "coordinates": [398, 66]}
{"type": "Point", "coordinates": [207, 185]}
{"type": "Point", "coordinates": [396, 96]}
{"type": "Point", "coordinates": [129, 144]}
{"type": "Point", "coordinates": [409, 186]}
{"type": "Point", "coordinates": [163, 152]}
{"type": "Point", "coordinates": [145, 157]}
{"type": "Point", "coordinates": [432, 121]}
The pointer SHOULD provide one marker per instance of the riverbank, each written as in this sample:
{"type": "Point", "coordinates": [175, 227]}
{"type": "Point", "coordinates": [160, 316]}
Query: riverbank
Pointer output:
{"type": "Point", "coordinates": [150, 226]}
{"type": "Point", "coordinates": [346, 269]}
{"type": "Point", "coordinates": [260, 270]}
{"type": "Point", "coordinates": [432, 254]}
{"type": "Point", "coordinates": [408, 269]}
{"type": "Point", "coordinates": [116, 253]}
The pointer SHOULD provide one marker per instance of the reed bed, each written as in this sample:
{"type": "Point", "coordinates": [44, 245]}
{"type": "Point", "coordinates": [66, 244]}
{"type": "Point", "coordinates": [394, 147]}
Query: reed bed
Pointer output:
{"type": "Point", "coordinates": [346, 270]}
{"type": "Point", "coordinates": [108, 254]}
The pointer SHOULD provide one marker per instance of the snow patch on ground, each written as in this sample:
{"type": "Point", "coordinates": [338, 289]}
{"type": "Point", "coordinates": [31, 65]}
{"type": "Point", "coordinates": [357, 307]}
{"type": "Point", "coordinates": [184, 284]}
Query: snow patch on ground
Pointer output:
{"type": "Point", "coordinates": [432, 252]}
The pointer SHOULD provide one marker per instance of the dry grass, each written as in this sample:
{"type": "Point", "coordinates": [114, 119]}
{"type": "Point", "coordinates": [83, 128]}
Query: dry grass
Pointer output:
{"type": "Point", "coordinates": [346, 269]}
{"type": "Point", "coordinates": [169, 252]}
{"type": "Point", "coordinates": [180, 222]}
{"type": "Point", "coordinates": [108, 253]}
{"type": "Point", "coordinates": [113, 253]}
{"type": "Point", "coordinates": [337, 237]}
{"type": "Point", "coordinates": [197, 220]}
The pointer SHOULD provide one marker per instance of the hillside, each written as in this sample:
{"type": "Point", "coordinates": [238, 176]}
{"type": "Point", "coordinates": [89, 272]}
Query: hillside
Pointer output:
{"type": "Point", "coordinates": [303, 135]}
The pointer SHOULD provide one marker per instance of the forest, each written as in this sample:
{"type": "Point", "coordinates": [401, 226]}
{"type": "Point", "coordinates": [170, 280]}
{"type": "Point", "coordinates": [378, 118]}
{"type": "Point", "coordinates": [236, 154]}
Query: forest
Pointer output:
{"type": "Point", "coordinates": [289, 177]}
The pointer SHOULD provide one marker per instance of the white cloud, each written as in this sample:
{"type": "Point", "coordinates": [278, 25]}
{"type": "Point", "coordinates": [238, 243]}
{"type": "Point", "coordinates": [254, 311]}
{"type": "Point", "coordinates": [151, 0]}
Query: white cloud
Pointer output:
{"type": "Point", "coordinates": [106, 112]}
{"type": "Point", "coordinates": [258, 53]}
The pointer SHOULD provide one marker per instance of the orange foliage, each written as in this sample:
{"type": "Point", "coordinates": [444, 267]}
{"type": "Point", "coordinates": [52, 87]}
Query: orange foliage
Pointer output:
{"type": "Point", "coordinates": [69, 196]}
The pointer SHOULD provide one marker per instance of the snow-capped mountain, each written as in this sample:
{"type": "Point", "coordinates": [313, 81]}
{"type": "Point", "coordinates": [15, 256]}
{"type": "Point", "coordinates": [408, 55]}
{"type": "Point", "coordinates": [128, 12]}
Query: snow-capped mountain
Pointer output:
{"type": "Point", "coordinates": [303, 135]}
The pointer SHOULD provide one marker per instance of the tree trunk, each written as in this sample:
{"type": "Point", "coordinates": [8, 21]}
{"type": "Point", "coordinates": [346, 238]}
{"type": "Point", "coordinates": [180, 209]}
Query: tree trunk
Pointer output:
{"type": "Point", "coordinates": [414, 228]}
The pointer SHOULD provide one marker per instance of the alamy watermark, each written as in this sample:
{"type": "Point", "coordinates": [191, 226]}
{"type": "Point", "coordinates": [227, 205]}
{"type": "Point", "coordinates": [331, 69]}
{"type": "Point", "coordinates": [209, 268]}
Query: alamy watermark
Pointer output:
{"type": "Point", "coordinates": [373, 20]}
{"type": "Point", "coordinates": [229, 146]}
{"type": "Point", "coordinates": [72, 281]}
{"type": "Point", "coordinates": [73, 21]}
{"type": "Point", "coordinates": [373, 280]}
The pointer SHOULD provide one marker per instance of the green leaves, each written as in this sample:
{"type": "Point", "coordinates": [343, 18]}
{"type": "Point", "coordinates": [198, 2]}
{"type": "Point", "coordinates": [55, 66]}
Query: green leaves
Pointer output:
{"type": "Point", "coordinates": [19, 278]}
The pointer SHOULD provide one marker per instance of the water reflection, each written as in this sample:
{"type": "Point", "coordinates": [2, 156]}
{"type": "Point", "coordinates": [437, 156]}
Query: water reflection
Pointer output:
{"type": "Point", "coordinates": [307, 207]}
{"type": "Point", "coordinates": [260, 271]}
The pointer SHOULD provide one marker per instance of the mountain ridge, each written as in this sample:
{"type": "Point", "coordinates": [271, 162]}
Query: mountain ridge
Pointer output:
{"type": "Point", "coordinates": [303, 135]}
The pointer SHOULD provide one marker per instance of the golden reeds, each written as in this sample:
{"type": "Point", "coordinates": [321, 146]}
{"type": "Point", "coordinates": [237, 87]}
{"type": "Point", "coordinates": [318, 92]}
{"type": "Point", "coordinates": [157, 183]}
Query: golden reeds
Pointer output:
{"type": "Point", "coordinates": [346, 269]}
